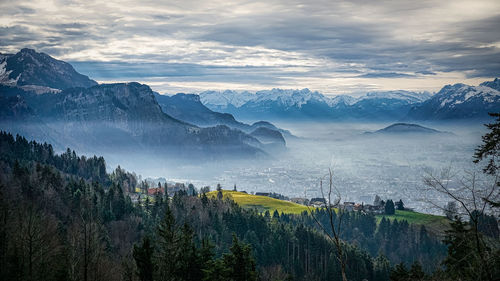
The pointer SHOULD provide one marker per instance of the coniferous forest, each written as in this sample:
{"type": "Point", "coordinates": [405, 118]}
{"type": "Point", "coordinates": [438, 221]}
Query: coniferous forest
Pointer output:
{"type": "Point", "coordinates": [64, 218]}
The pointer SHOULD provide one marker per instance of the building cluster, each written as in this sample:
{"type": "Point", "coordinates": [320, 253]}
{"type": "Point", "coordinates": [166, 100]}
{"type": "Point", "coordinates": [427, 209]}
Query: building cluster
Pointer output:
{"type": "Point", "coordinates": [353, 206]}
{"type": "Point", "coordinates": [171, 188]}
{"type": "Point", "coordinates": [348, 206]}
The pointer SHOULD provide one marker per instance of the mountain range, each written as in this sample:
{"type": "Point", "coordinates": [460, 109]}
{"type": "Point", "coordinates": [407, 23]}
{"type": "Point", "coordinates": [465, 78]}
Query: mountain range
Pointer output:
{"type": "Point", "coordinates": [46, 99]}
{"type": "Point", "coordinates": [307, 105]}
{"type": "Point", "coordinates": [188, 107]}
{"type": "Point", "coordinates": [65, 107]}
{"type": "Point", "coordinates": [459, 101]}
{"type": "Point", "coordinates": [452, 102]}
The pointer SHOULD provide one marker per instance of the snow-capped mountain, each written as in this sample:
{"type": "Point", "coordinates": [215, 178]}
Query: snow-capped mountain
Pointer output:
{"type": "Point", "coordinates": [390, 105]}
{"type": "Point", "coordinates": [306, 104]}
{"type": "Point", "coordinates": [290, 98]}
{"type": "Point", "coordinates": [495, 84]}
{"type": "Point", "coordinates": [342, 100]}
{"type": "Point", "coordinates": [459, 101]}
{"type": "Point", "coordinates": [285, 97]}
{"type": "Point", "coordinates": [407, 96]}
{"type": "Point", "coordinates": [216, 100]}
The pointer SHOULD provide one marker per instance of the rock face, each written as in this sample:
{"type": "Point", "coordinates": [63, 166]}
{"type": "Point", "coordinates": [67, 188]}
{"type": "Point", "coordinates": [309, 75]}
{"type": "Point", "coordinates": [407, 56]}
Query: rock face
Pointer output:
{"type": "Point", "coordinates": [459, 101]}
{"type": "Point", "coordinates": [17, 117]}
{"type": "Point", "coordinates": [126, 115]}
{"type": "Point", "coordinates": [30, 68]}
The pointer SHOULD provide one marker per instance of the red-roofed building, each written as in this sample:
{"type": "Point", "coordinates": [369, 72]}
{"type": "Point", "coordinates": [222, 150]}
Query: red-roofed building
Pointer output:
{"type": "Point", "coordinates": [154, 191]}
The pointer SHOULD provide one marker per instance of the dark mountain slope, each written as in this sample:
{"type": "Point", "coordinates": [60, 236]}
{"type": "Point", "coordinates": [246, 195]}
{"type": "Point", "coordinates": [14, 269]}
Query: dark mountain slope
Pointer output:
{"type": "Point", "coordinates": [407, 128]}
{"type": "Point", "coordinates": [188, 107]}
{"type": "Point", "coordinates": [114, 117]}
{"type": "Point", "coordinates": [28, 67]}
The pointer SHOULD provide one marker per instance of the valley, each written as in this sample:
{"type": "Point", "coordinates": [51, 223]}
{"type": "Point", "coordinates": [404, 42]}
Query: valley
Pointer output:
{"type": "Point", "coordinates": [364, 166]}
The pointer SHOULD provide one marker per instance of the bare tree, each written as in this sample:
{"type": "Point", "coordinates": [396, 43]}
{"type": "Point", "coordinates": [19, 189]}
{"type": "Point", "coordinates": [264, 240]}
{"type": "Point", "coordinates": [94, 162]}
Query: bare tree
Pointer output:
{"type": "Point", "coordinates": [335, 225]}
{"type": "Point", "coordinates": [36, 235]}
{"type": "Point", "coordinates": [471, 191]}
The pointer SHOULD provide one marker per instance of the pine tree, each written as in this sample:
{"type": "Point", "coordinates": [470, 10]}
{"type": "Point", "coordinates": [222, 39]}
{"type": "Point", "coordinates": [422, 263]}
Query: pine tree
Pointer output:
{"type": "Point", "coordinates": [389, 207]}
{"type": "Point", "coordinates": [143, 256]}
{"type": "Point", "coordinates": [416, 273]}
{"type": "Point", "coordinates": [461, 261]}
{"type": "Point", "coordinates": [399, 273]}
{"type": "Point", "coordinates": [382, 268]}
{"type": "Point", "coordinates": [400, 205]}
{"type": "Point", "coordinates": [166, 257]}
{"type": "Point", "coordinates": [239, 263]}
{"type": "Point", "coordinates": [189, 267]}
{"type": "Point", "coordinates": [206, 255]}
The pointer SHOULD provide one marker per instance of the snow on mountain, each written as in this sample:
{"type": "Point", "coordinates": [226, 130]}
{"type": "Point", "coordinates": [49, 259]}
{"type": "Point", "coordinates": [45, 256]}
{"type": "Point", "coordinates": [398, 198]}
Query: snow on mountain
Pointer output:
{"type": "Point", "coordinates": [38, 70]}
{"type": "Point", "coordinates": [409, 97]}
{"type": "Point", "coordinates": [459, 101]}
{"type": "Point", "coordinates": [342, 100]}
{"type": "Point", "coordinates": [290, 98]}
{"type": "Point", "coordinates": [304, 103]}
{"type": "Point", "coordinates": [297, 98]}
{"type": "Point", "coordinates": [222, 99]}
{"type": "Point", "coordinates": [4, 73]}
{"type": "Point", "coordinates": [286, 97]}
{"type": "Point", "coordinates": [495, 84]}
{"type": "Point", "coordinates": [453, 95]}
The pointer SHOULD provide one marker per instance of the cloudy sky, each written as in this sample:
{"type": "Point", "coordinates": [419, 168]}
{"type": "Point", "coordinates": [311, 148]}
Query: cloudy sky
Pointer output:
{"type": "Point", "coordinates": [335, 47]}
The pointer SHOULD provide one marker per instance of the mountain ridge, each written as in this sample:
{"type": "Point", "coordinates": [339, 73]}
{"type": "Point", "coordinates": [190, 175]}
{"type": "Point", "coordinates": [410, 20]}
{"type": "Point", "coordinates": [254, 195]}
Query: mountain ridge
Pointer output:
{"type": "Point", "coordinates": [459, 101]}
{"type": "Point", "coordinates": [306, 104]}
{"type": "Point", "coordinates": [30, 68]}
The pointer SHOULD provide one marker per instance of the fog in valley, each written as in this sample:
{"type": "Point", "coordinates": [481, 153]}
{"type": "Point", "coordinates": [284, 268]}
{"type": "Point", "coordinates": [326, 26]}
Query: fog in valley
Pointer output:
{"type": "Point", "coordinates": [364, 165]}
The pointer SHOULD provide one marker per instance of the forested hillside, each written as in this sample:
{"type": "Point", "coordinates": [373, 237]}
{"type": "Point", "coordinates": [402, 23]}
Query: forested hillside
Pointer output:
{"type": "Point", "coordinates": [64, 218]}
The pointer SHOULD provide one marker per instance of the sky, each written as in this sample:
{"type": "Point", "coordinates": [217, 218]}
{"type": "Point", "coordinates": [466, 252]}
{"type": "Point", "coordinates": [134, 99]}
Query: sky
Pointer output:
{"type": "Point", "coordinates": [335, 47]}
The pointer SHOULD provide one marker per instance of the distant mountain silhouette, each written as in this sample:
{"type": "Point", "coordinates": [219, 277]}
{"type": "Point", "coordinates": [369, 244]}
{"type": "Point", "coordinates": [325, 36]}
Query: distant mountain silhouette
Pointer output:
{"type": "Point", "coordinates": [406, 128]}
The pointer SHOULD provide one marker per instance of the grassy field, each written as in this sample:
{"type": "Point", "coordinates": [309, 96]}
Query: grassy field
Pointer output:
{"type": "Point", "coordinates": [431, 222]}
{"type": "Point", "coordinates": [262, 203]}
{"type": "Point", "coordinates": [436, 224]}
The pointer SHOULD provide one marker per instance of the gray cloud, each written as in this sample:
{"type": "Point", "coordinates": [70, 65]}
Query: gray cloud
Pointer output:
{"type": "Point", "coordinates": [385, 75]}
{"type": "Point", "coordinates": [336, 45]}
